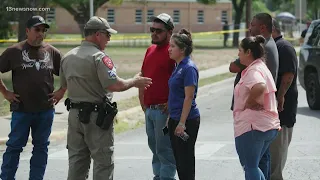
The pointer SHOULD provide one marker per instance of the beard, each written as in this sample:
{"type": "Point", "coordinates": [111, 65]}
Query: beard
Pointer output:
{"type": "Point", "coordinates": [37, 42]}
{"type": "Point", "coordinates": [159, 42]}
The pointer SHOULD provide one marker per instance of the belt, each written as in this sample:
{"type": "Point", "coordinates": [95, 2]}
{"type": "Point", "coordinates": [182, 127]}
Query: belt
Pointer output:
{"type": "Point", "coordinates": [156, 106]}
{"type": "Point", "coordinates": [81, 105]}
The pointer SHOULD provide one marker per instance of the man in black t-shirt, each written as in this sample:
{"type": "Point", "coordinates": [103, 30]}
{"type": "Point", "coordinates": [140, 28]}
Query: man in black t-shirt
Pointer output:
{"type": "Point", "coordinates": [33, 64]}
{"type": "Point", "coordinates": [287, 97]}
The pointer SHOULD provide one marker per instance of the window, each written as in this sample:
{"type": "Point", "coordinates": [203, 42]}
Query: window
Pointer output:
{"type": "Point", "coordinates": [224, 16]}
{"type": "Point", "coordinates": [313, 35]}
{"type": "Point", "coordinates": [51, 15]}
{"type": "Point", "coordinates": [176, 16]}
{"type": "Point", "coordinates": [138, 16]}
{"type": "Point", "coordinates": [200, 17]}
{"type": "Point", "coordinates": [110, 16]}
{"type": "Point", "coordinates": [149, 14]}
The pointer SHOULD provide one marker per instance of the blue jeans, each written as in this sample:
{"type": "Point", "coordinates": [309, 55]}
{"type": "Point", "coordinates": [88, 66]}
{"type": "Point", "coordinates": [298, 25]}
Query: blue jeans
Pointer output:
{"type": "Point", "coordinates": [163, 162]}
{"type": "Point", "coordinates": [265, 164]}
{"type": "Point", "coordinates": [251, 146]}
{"type": "Point", "coordinates": [21, 123]}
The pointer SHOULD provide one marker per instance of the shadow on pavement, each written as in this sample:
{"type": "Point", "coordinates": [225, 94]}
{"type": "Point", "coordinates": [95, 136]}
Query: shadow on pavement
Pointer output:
{"type": "Point", "coordinates": [308, 112]}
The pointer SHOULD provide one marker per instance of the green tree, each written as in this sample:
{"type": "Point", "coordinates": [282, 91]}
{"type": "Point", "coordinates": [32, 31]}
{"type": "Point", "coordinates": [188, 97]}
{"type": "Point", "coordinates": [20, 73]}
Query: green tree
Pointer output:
{"type": "Point", "coordinates": [289, 5]}
{"type": "Point", "coordinates": [238, 6]}
{"type": "Point", "coordinates": [314, 8]}
{"type": "Point", "coordinates": [80, 9]}
{"type": "Point", "coordinates": [257, 7]}
{"type": "Point", "coordinates": [5, 18]}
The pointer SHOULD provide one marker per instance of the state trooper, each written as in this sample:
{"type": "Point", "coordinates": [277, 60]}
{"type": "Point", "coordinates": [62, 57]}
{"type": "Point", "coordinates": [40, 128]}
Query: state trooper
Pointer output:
{"type": "Point", "coordinates": [90, 77]}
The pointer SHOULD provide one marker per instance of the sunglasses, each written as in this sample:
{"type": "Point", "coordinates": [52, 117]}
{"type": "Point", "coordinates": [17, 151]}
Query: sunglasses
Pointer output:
{"type": "Point", "coordinates": [156, 30]}
{"type": "Point", "coordinates": [106, 33]}
{"type": "Point", "coordinates": [40, 29]}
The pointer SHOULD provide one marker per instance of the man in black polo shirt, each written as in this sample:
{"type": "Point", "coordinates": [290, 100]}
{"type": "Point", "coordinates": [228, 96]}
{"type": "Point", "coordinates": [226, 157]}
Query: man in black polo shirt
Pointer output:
{"type": "Point", "coordinates": [287, 96]}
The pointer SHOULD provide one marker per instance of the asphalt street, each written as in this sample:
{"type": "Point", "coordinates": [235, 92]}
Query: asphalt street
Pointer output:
{"type": "Point", "coordinates": [216, 157]}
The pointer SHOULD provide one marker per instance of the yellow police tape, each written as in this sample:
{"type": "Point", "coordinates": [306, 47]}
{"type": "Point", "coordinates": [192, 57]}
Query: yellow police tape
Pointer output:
{"type": "Point", "coordinates": [137, 37]}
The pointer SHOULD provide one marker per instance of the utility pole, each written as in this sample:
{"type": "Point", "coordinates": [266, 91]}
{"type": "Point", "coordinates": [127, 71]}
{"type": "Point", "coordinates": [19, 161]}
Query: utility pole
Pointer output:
{"type": "Point", "coordinates": [248, 16]}
{"type": "Point", "coordinates": [91, 8]}
{"type": "Point", "coordinates": [300, 12]}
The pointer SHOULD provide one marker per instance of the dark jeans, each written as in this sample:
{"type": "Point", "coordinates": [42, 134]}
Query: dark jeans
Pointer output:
{"type": "Point", "coordinates": [21, 123]}
{"type": "Point", "coordinates": [251, 146]}
{"type": "Point", "coordinates": [184, 150]}
{"type": "Point", "coordinates": [265, 164]}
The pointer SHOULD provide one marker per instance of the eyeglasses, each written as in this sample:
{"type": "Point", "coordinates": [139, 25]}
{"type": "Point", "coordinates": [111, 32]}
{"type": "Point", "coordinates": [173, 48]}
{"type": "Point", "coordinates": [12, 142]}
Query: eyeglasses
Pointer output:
{"type": "Point", "coordinates": [156, 30]}
{"type": "Point", "coordinates": [106, 33]}
{"type": "Point", "coordinates": [40, 29]}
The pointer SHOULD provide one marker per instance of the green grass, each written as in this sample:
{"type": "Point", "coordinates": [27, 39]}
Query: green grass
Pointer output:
{"type": "Point", "coordinates": [4, 106]}
{"type": "Point", "coordinates": [128, 103]}
{"type": "Point", "coordinates": [122, 126]}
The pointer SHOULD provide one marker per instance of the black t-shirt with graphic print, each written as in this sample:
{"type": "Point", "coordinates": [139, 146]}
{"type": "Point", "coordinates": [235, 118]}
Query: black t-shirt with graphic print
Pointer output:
{"type": "Point", "coordinates": [32, 73]}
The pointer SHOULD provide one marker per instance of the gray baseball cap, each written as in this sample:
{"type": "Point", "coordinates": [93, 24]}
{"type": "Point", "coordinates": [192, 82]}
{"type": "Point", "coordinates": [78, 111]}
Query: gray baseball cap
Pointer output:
{"type": "Point", "coordinates": [166, 18]}
{"type": "Point", "coordinates": [96, 22]}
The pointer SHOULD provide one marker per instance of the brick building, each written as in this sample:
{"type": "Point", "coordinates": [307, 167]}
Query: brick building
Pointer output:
{"type": "Point", "coordinates": [133, 17]}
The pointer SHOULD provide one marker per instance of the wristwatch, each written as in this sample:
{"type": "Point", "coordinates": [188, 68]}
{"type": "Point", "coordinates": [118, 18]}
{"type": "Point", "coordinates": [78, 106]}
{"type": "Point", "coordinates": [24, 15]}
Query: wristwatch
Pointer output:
{"type": "Point", "coordinates": [182, 125]}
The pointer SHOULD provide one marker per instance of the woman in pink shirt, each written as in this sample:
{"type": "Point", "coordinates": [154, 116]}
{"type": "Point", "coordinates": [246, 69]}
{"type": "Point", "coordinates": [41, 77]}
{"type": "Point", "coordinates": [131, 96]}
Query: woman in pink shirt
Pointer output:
{"type": "Point", "coordinates": [255, 114]}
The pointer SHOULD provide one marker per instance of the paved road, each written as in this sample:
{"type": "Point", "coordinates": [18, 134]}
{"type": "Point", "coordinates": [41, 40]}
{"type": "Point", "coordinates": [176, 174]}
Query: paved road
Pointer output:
{"type": "Point", "coordinates": [216, 158]}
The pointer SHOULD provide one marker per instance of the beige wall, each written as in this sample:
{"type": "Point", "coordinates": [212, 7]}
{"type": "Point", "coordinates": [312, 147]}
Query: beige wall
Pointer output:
{"type": "Point", "coordinates": [65, 22]}
{"type": "Point", "coordinates": [125, 16]}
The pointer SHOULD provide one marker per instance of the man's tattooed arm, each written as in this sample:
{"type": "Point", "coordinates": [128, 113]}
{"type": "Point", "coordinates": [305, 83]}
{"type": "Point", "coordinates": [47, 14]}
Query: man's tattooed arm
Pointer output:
{"type": "Point", "coordinates": [286, 81]}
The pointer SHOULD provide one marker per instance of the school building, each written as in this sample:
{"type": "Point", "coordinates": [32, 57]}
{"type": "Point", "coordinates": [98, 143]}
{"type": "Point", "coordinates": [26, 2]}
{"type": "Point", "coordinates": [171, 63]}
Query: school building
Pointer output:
{"type": "Point", "coordinates": [133, 16]}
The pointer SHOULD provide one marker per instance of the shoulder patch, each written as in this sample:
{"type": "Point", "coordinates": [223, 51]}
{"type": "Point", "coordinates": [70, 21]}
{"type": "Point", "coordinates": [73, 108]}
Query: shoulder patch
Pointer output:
{"type": "Point", "coordinates": [112, 74]}
{"type": "Point", "coordinates": [108, 62]}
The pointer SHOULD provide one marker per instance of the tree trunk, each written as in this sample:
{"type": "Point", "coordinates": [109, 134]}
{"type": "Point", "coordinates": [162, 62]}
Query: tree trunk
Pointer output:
{"type": "Point", "coordinates": [316, 13]}
{"type": "Point", "coordinates": [237, 22]}
{"type": "Point", "coordinates": [23, 18]}
{"type": "Point", "coordinates": [238, 9]}
{"type": "Point", "coordinates": [81, 19]}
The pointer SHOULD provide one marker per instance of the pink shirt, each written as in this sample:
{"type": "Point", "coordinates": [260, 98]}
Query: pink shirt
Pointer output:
{"type": "Point", "coordinates": [246, 119]}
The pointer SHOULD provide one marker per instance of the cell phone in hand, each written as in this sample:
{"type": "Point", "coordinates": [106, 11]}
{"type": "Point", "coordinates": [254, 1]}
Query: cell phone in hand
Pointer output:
{"type": "Point", "coordinates": [184, 137]}
{"type": "Point", "coordinates": [165, 130]}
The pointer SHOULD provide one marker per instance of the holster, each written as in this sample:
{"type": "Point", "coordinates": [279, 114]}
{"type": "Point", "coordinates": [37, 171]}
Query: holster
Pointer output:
{"type": "Point", "coordinates": [106, 114]}
{"type": "Point", "coordinates": [85, 109]}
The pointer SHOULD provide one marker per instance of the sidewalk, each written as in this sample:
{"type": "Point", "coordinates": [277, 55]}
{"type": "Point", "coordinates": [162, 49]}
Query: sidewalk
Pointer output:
{"type": "Point", "coordinates": [60, 123]}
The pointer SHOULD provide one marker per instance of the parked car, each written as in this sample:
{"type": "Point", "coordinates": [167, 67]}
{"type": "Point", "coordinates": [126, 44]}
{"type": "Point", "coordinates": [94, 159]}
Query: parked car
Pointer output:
{"type": "Point", "coordinates": [309, 65]}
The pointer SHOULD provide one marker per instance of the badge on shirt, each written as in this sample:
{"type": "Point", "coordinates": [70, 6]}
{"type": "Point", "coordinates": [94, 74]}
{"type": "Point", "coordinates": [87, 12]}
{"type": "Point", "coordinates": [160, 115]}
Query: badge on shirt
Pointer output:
{"type": "Point", "coordinates": [107, 61]}
{"type": "Point", "coordinates": [112, 74]}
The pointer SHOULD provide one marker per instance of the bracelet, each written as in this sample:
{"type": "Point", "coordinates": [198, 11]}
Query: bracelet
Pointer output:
{"type": "Point", "coordinates": [182, 125]}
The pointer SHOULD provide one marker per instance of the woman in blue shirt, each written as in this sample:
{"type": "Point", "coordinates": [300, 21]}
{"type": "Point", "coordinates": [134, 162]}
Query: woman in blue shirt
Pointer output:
{"type": "Point", "coordinates": [184, 114]}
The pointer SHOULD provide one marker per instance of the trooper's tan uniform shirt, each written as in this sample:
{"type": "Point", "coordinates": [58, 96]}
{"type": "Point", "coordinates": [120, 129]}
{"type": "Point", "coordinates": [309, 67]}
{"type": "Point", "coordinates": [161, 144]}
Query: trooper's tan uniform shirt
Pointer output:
{"type": "Point", "coordinates": [86, 72]}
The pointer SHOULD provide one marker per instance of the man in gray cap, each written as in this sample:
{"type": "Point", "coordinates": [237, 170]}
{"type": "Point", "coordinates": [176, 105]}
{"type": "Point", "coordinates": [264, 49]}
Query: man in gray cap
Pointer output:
{"type": "Point", "coordinates": [157, 65]}
{"type": "Point", "coordinates": [90, 77]}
